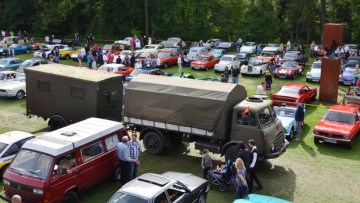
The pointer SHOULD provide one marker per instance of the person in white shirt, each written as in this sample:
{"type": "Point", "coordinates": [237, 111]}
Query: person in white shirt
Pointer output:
{"type": "Point", "coordinates": [288, 45]}
{"type": "Point", "coordinates": [260, 89]}
{"type": "Point", "coordinates": [138, 64]}
{"type": "Point", "coordinates": [105, 58]}
{"type": "Point", "coordinates": [179, 61]}
{"type": "Point", "coordinates": [158, 62]}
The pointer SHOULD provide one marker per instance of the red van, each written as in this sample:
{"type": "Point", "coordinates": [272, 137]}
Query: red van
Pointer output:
{"type": "Point", "coordinates": [59, 165]}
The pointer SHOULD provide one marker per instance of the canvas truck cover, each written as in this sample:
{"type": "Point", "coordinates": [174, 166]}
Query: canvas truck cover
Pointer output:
{"type": "Point", "coordinates": [185, 102]}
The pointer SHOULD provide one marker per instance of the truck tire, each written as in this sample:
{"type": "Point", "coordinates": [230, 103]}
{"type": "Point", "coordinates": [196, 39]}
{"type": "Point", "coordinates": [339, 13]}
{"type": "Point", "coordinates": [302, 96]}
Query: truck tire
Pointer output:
{"type": "Point", "coordinates": [154, 143]}
{"type": "Point", "coordinates": [232, 153]}
{"type": "Point", "coordinates": [57, 122]}
{"type": "Point", "coordinates": [70, 197]}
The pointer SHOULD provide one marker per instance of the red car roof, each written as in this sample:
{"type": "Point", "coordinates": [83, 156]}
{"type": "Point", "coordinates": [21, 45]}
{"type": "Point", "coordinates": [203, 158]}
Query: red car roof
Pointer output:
{"type": "Point", "coordinates": [344, 108]}
{"type": "Point", "coordinates": [166, 51]}
{"type": "Point", "coordinates": [205, 55]}
{"type": "Point", "coordinates": [294, 85]}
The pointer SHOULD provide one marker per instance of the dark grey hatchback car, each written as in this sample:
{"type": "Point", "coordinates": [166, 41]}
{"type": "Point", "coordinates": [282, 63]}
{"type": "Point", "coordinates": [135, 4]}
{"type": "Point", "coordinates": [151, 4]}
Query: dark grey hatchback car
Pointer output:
{"type": "Point", "coordinates": [170, 187]}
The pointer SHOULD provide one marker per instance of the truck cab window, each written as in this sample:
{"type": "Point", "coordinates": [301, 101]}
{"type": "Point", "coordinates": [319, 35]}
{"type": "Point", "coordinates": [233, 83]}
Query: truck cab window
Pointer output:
{"type": "Point", "coordinates": [266, 116]}
{"type": "Point", "coordinates": [247, 119]}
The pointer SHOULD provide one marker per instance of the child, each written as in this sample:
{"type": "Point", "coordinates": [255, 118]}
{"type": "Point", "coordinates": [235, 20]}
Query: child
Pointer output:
{"type": "Point", "coordinates": [206, 163]}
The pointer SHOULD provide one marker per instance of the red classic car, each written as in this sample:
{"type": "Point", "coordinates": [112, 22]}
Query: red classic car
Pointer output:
{"type": "Point", "coordinates": [289, 69]}
{"type": "Point", "coordinates": [340, 125]}
{"type": "Point", "coordinates": [35, 46]}
{"type": "Point", "coordinates": [320, 51]}
{"type": "Point", "coordinates": [168, 58]}
{"type": "Point", "coordinates": [291, 92]}
{"type": "Point", "coordinates": [205, 61]}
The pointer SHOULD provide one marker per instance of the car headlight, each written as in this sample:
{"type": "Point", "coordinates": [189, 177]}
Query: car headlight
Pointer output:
{"type": "Point", "coordinates": [6, 182]}
{"type": "Point", "coordinates": [346, 137]}
{"type": "Point", "coordinates": [284, 130]}
{"type": "Point", "coordinates": [38, 191]}
{"type": "Point", "coordinates": [316, 132]}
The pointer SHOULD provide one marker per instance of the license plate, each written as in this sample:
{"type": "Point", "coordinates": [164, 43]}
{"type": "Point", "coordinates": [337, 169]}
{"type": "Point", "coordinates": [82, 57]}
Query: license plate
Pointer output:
{"type": "Point", "coordinates": [197, 68]}
{"type": "Point", "coordinates": [282, 77]}
{"type": "Point", "coordinates": [330, 141]}
{"type": "Point", "coordinates": [347, 83]}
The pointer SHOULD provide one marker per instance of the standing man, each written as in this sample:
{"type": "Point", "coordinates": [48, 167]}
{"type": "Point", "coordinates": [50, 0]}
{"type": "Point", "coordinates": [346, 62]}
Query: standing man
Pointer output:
{"type": "Point", "coordinates": [125, 160]}
{"type": "Point", "coordinates": [132, 59]}
{"type": "Point", "coordinates": [135, 150]}
{"type": "Point", "coordinates": [235, 75]}
{"type": "Point", "coordinates": [312, 46]}
{"type": "Point", "coordinates": [16, 199]}
{"type": "Point", "coordinates": [288, 45]}
{"type": "Point", "coordinates": [179, 61]}
{"type": "Point", "coordinates": [252, 168]}
{"type": "Point", "coordinates": [299, 118]}
{"type": "Point", "coordinates": [57, 55]}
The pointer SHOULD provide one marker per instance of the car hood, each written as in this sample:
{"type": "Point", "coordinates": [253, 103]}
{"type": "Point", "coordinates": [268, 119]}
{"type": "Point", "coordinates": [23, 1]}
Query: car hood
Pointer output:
{"type": "Point", "coordinates": [284, 70]}
{"type": "Point", "coordinates": [274, 49]}
{"type": "Point", "coordinates": [191, 181]}
{"type": "Point", "coordinates": [315, 72]}
{"type": "Point", "coordinates": [347, 76]}
{"type": "Point", "coordinates": [246, 49]}
{"type": "Point", "coordinates": [224, 63]}
{"type": "Point", "coordinates": [285, 121]}
{"type": "Point", "coordinates": [333, 127]}
{"type": "Point", "coordinates": [8, 85]}
{"type": "Point", "coordinates": [199, 62]}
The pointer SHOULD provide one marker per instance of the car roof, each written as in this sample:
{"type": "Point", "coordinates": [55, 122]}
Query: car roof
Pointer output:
{"type": "Point", "coordinates": [14, 136]}
{"type": "Point", "coordinates": [70, 137]}
{"type": "Point", "coordinates": [166, 51]}
{"type": "Point", "coordinates": [9, 59]}
{"type": "Point", "coordinates": [294, 85]}
{"type": "Point", "coordinates": [7, 72]}
{"type": "Point", "coordinates": [229, 55]}
{"type": "Point", "coordinates": [197, 48]}
{"type": "Point", "coordinates": [206, 55]}
{"type": "Point", "coordinates": [344, 108]}
{"type": "Point", "coordinates": [147, 185]}
{"type": "Point", "coordinates": [34, 59]}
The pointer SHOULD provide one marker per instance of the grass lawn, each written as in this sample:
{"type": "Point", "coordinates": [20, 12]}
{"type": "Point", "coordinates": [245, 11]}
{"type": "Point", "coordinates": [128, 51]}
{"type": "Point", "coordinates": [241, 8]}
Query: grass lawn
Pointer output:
{"type": "Point", "coordinates": [304, 173]}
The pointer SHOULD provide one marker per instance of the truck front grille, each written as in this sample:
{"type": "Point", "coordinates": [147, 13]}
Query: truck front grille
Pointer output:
{"type": "Point", "coordinates": [21, 187]}
{"type": "Point", "coordinates": [279, 140]}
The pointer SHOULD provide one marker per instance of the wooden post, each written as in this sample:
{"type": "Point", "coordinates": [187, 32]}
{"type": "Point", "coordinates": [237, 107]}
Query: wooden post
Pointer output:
{"type": "Point", "coordinates": [330, 67]}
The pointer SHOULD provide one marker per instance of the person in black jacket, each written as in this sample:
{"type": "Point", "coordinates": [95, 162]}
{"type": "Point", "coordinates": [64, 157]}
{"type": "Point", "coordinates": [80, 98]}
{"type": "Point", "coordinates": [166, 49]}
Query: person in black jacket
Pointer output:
{"type": "Point", "coordinates": [132, 60]}
{"type": "Point", "coordinates": [252, 167]}
{"type": "Point", "coordinates": [299, 118]}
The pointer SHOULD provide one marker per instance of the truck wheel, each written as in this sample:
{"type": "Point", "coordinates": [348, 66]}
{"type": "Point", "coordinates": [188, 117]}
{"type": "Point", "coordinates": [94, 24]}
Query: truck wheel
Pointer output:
{"type": "Point", "coordinates": [154, 143]}
{"type": "Point", "coordinates": [232, 153]}
{"type": "Point", "coordinates": [57, 122]}
{"type": "Point", "coordinates": [117, 173]}
{"type": "Point", "coordinates": [71, 197]}
{"type": "Point", "coordinates": [20, 94]}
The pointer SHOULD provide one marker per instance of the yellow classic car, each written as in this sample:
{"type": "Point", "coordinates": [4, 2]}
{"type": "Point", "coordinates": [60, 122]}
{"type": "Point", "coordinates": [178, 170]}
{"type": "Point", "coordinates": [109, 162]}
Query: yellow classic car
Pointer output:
{"type": "Point", "coordinates": [67, 52]}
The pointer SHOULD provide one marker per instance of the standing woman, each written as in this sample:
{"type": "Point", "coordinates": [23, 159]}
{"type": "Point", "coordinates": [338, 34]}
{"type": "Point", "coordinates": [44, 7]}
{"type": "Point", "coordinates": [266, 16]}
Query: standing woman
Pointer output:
{"type": "Point", "coordinates": [253, 165]}
{"type": "Point", "coordinates": [356, 74]}
{"type": "Point", "coordinates": [268, 80]}
{"type": "Point", "coordinates": [241, 183]}
{"type": "Point", "coordinates": [226, 73]}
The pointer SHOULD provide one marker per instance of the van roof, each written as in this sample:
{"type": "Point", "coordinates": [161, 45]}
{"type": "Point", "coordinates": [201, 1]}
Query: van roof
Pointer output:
{"type": "Point", "coordinates": [70, 137]}
{"type": "Point", "coordinates": [13, 136]}
{"type": "Point", "coordinates": [73, 72]}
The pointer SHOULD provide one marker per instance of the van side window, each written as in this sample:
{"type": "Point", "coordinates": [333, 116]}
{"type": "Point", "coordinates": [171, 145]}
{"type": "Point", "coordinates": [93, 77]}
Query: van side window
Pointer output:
{"type": "Point", "coordinates": [43, 86]}
{"type": "Point", "coordinates": [111, 142]}
{"type": "Point", "coordinates": [92, 151]}
{"type": "Point", "coordinates": [247, 119]}
{"type": "Point", "coordinates": [77, 93]}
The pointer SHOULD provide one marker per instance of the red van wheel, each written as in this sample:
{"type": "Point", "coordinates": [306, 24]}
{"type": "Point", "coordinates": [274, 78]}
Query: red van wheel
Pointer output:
{"type": "Point", "coordinates": [71, 197]}
{"type": "Point", "coordinates": [117, 173]}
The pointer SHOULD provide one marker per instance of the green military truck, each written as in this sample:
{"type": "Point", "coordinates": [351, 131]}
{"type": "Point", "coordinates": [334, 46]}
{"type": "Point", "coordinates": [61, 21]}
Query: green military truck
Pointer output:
{"type": "Point", "coordinates": [66, 94]}
{"type": "Point", "coordinates": [216, 116]}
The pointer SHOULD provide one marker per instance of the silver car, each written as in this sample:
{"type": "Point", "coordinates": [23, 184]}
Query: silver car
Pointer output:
{"type": "Point", "coordinates": [173, 42]}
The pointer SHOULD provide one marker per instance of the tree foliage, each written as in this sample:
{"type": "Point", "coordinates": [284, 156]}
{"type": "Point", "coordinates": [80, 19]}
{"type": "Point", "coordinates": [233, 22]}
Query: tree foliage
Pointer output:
{"type": "Point", "coordinates": [253, 20]}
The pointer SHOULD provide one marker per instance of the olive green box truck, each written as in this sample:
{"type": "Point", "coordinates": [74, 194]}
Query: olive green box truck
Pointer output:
{"type": "Point", "coordinates": [216, 116]}
{"type": "Point", "coordinates": [66, 94]}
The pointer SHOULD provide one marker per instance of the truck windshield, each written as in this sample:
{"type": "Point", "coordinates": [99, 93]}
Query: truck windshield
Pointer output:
{"type": "Point", "coordinates": [32, 164]}
{"type": "Point", "coordinates": [266, 116]}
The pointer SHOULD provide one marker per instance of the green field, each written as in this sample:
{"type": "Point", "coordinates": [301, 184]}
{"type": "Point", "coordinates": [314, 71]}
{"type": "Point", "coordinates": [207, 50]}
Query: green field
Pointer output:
{"type": "Point", "coordinates": [304, 173]}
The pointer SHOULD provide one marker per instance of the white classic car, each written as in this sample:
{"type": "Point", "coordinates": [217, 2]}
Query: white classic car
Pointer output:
{"type": "Point", "coordinates": [152, 49]}
{"type": "Point", "coordinates": [222, 45]}
{"type": "Point", "coordinates": [248, 47]}
{"type": "Point", "coordinates": [229, 61]}
{"type": "Point", "coordinates": [13, 88]}
{"type": "Point", "coordinates": [272, 48]}
{"type": "Point", "coordinates": [8, 75]}
{"type": "Point", "coordinates": [125, 42]}
{"type": "Point", "coordinates": [194, 52]}
{"type": "Point", "coordinates": [48, 49]}
{"type": "Point", "coordinates": [173, 42]}
{"type": "Point", "coordinates": [315, 72]}
{"type": "Point", "coordinates": [256, 66]}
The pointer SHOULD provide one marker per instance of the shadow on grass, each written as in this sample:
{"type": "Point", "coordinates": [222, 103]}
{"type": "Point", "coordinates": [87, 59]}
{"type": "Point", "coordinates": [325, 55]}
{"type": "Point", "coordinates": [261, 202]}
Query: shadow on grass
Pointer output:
{"type": "Point", "coordinates": [309, 149]}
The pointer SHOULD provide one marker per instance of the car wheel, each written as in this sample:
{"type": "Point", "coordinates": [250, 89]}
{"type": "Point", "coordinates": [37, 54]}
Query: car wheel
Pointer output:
{"type": "Point", "coordinates": [154, 143]}
{"type": "Point", "coordinates": [166, 65]}
{"type": "Point", "coordinates": [117, 173]}
{"type": "Point", "coordinates": [71, 197]}
{"type": "Point", "coordinates": [222, 187]}
{"type": "Point", "coordinates": [20, 95]}
{"type": "Point", "coordinates": [232, 153]}
{"type": "Point", "coordinates": [261, 72]}
{"type": "Point", "coordinates": [67, 57]}
{"type": "Point", "coordinates": [57, 122]}
{"type": "Point", "coordinates": [202, 198]}
{"type": "Point", "coordinates": [291, 136]}
{"type": "Point", "coordinates": [27, 51]}
{"type": "Point", "coordinates": [349, 145]}
{"type": "Point", "coordinates": [316, 141]}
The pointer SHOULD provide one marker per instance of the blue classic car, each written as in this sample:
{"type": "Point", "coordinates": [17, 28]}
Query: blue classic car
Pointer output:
{"type": "Point", "coordinates": [217, 53]}
{"type": "Point", "coordinates": [347, 76]}
{"type": "Point", "coordinates": [18, 48]}
{"type": "Point", "coordinates": [286, 114]}
{"type": "Point", "coordinates": [254, 198]}
{"type": "Point", "coordinates": [10, 63]}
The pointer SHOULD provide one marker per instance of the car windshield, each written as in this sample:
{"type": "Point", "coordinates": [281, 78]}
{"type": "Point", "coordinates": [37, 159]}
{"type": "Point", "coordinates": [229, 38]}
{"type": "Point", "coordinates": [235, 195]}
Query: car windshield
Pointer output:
{"type": "Point", "coordinates": [120, 197]}
{"type": "Point", "coordinates": [316, 65]}
{"type": "Point", "coordinates": [3, 62]}
{"type": "Point", "coordinates": [341, 117]}
{"type": "Point", "coordinates": [164, 55]}
{"type": "Point", "coordinates": [266, 116]}
{"type": "Point", "coordinates": [26, 63]}
{"type": "Point", "coordinates": [272, 45]}
{"type": "Point", "coordinates": [106, 69]}
{"type": "Point", "coordinates": [289, 65]}
{"type": "Point", "coordinates": [226, 58]}
{"type": "Point", "coordinates": [249, 44]}
{"type": "Point", "coordinates": [2, 146]}
{"type": "Point", "coordinates": [204, 59]}
{"type": "Point", "coordinates": [30, 163]}
{"type": "Point", "coordinates": [143, 54]}
{"type": "Point", "coordinates": [255, 61]}
{"type": "Point", "coordinates": [285, 112]}
{"type": "Point", "coordinates": [124, 53]}
{"type": "Point", "coordinates": [289, 90]}
{"type": "Point", "coordinates": [149, 47]}
{"type": "Point", "coordinates": [290, 55]}
{"type": "Point", "coordinates": [215, 52]}
{"type": "Point", "coordinates": [68, 49]}
{"type": "Point", "coordinates": [349, 70]}
{"type": "Point", "coordinates": [138, 72]}
{"type": "Point", "coordinates": [194, 50]}
{"type": "Point", "coordinates": [172, 40]}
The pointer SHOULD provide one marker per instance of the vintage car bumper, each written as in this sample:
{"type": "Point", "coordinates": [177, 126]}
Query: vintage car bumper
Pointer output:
{"type": "Point", "coordinates": [7, 94]}
{"type": "Point", "coordinates": [220, 68]}
{"type": "Point", "coordinates": [331, 139]}
{"type": "Point", "coordinates": [313, 79]}
{"type": "Point", "coordinates": [281, 150]}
